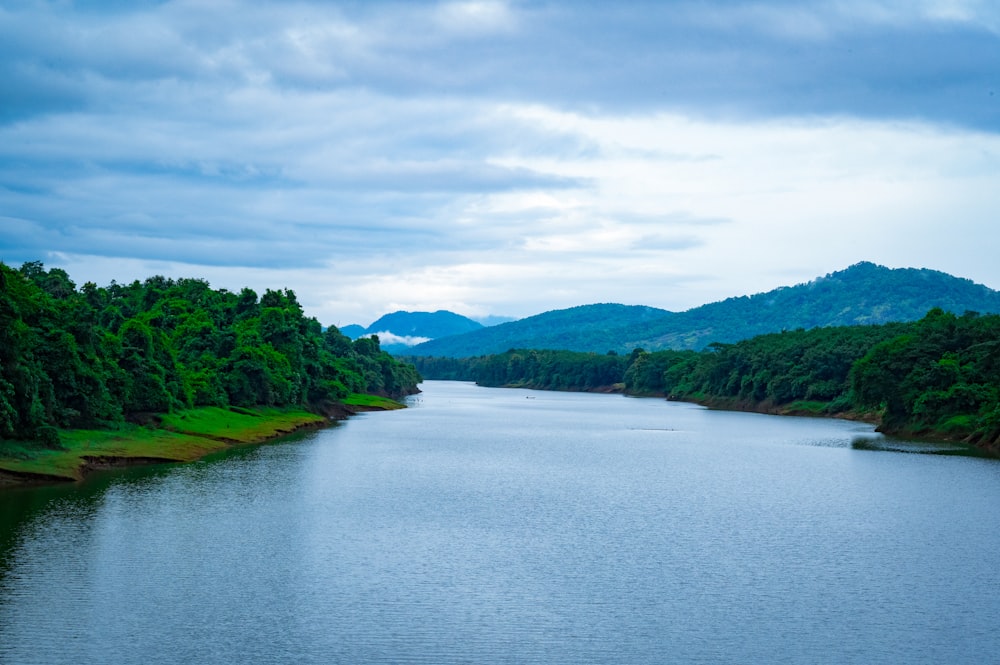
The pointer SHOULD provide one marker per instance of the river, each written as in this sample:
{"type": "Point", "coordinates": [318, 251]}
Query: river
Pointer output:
{"type": "Point", "coordinates": [509, 526]}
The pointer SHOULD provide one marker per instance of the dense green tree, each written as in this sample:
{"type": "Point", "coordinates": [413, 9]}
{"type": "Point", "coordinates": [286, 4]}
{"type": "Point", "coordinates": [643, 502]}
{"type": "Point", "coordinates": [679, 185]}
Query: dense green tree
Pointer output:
{"type": "Point", "coordinates": [95, 356]}
{"type": "Point", "coordinates": [943, 374]}
{"type": "Point", "coordinates": [940, 374]}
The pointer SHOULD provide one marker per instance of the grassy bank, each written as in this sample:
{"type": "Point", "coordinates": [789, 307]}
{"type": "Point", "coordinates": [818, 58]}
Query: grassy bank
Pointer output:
{"type": "Point", "coordinates": [361, 402]}
{"type": "Point", "coordinates": [176, 437]}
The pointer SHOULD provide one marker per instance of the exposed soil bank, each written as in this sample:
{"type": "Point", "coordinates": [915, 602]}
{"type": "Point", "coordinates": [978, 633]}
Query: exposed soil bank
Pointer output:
{"type": "Point", "coordinates": [10, 478]}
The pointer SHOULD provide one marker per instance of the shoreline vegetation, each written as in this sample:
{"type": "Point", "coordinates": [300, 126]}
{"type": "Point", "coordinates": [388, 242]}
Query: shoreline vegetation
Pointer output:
{"type": "Point", "coordinates": [805, 409]}
{"type": "Point", "coordinates": [801, 409]}
{"type": "Point", "coordinates": [936, 379]}
{"type": "Point", "coordinates": [167, 370]}
{"type": "Point", "coordinates": [169, 438]}
{"type": "Point", "coordinates": [171, 370]}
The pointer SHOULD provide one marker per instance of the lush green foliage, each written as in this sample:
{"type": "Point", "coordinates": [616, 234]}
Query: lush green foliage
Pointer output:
{"type": "Point", "coordinates": [182, 436]}
{"type": "Point", "coordinates": [445, 368]}
{"type": "Point", "coordinates": [551, 370]}
{"type": "Point", "coordinates": [943, 375]}
{"type": "Point", "coordinates": [863, 294]}
{"type": "Point", "coordinates": [939, 375]}
{"type": "Point", "coordinates": [780, 368]}
{"type": "Point", "coordinates": [92, 357]}
{"type": "Point", "coordinates": [542, 369]}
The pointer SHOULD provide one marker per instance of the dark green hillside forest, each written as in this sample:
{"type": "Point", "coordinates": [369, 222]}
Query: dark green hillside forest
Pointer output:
{"type": "Point", "coordinates": [939, 376]}
{"type": "Point", "coordinates": [583, 328]}
{"type": "Point", "coordinates": [95, 357]}
{"type": "Point", "coordinates": [863, 294]}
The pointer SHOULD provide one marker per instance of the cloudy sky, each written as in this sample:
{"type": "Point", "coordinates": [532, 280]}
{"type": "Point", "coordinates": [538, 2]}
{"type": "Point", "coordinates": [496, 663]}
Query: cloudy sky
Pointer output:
{"type": "Point", "coordinates": [499, 157]}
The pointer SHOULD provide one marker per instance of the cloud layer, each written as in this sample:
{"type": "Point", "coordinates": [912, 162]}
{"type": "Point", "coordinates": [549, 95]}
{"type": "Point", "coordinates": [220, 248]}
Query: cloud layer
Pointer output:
{"type": "Point", "coordinates": [498, 157]}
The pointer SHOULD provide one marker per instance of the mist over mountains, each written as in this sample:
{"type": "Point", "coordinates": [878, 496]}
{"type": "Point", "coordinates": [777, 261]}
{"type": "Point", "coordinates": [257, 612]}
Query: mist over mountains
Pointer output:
{"type": "Point", "coordinates": [399, 331]}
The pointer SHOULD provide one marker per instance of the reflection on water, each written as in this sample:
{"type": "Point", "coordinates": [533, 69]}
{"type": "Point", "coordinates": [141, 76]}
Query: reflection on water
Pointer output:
{"type": "Point", "coordinates": [480, 526]}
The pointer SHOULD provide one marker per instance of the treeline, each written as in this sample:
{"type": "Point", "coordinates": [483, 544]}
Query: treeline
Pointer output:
{"type": "Point", "coordinates": [939, 375]}
{"type": "Point", "coordinates": [91, 357]}
{"type": "Point", "coordinates": [539, 369]}
{"type": "Point", "coordinates": [779, 368]}
{"type": "Point", "coordinates": [552, 370]}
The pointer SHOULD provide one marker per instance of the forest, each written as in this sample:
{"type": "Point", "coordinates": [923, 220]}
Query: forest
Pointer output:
{"type": "Point", "coordinates": [96, 357]}
{"type": "Point", "coordinates": [863, 294]}
{"type": "Point", "coordinates": [939, 376]}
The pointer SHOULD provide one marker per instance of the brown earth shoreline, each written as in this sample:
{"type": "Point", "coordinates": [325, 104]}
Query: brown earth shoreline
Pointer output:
{"type": "Point", "coordinates": [10, 478]}
{"type": "Point", "coordinates": [25, 479]}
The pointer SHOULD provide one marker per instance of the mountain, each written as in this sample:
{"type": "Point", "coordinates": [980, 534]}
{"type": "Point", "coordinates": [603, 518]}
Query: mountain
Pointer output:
{"type": "Point", "coordinates": [353, 330]}
{"type": "Point", "coordinates": [399, 331]}
{"type": "Point", "coordinates": [864, 293]}
{"type": "Point", "coordinates": [494, 320]}
{"type": "Point", "coordinates": [424, 324]}
{"type": "Point", "coordinates": [583, 328]}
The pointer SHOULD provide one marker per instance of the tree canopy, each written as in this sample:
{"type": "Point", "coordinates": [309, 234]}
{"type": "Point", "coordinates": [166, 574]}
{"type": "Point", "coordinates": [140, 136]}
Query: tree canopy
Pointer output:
{"type": "Point", "coordinates": [939, 375]}
{"type": "Point", "coordinates": [96, 356]}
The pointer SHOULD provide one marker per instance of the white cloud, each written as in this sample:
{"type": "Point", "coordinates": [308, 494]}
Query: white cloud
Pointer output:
{"type": "Point", "coordinates": [490, 157]}
{"type": "Point", "coordinates": [982, 13]}
{"type": "Point", "coordinates": [386, 337]}
{"type": "Point", "coordinates": [473, 19]}
{"type": "Point", "coordinates": [782, 202]}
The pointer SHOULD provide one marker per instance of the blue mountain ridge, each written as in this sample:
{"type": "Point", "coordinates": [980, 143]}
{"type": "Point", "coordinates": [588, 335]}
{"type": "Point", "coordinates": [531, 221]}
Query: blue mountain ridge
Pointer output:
{"type": "Point", "coordinates": [864, 293]}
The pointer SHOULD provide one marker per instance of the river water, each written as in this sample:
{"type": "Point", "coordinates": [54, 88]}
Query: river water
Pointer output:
{"type": "Point", "coordinates": [508, 526]}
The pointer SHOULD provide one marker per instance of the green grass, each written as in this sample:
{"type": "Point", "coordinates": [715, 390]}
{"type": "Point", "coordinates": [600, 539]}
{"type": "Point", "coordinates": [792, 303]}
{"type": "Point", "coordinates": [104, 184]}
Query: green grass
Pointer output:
{"type": "Point", "coordinates": [373, 402]}
{"type": "Point", "coordinates": [71, 461]}
{"type": "Point", "coordinates": [17, 450]}
{"type": "Point", "coordinates": [182, 437]}
{"type": "Point", "coordinates": [240, 425]}
{"type": "Point", "coordinates": [958, 425]}
{"type": "Point", "coordinates": [808, 407]}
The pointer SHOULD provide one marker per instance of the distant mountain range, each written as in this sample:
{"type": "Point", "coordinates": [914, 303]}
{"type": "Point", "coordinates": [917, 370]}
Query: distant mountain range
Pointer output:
{"type": "Point", "coordinates": [864, 293]}
{"type": "Point", "coordinates": [399, 331]}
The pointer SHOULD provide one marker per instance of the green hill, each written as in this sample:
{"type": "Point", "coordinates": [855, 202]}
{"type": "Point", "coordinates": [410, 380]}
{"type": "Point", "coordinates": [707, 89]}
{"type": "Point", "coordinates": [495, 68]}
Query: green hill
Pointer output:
{"type": "Point", "coordinates": [424, 324]}
{"type": "Point", "coordinates": [864, 293]}
{"type": "Point", "coordinates": [353, 331]}
{"type": "Point", "coordinates": [579, 328]}
{"type": "Point", "coordinates": [399, 331]}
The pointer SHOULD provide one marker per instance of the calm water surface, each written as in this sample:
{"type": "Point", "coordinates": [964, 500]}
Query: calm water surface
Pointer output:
{"type": "Point", "coordinates": [507, 526]}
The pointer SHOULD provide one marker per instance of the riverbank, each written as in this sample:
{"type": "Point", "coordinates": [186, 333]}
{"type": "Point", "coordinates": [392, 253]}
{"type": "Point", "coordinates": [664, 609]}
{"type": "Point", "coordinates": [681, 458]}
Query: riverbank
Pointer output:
{"type": "Point", "coordinates": [185, 436]}
{"type": "Point", "coordinates": [817, 409]}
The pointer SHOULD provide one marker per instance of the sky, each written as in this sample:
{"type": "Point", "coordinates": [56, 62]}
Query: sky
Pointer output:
{"type": "Point", "coordinates": [499, 157]}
